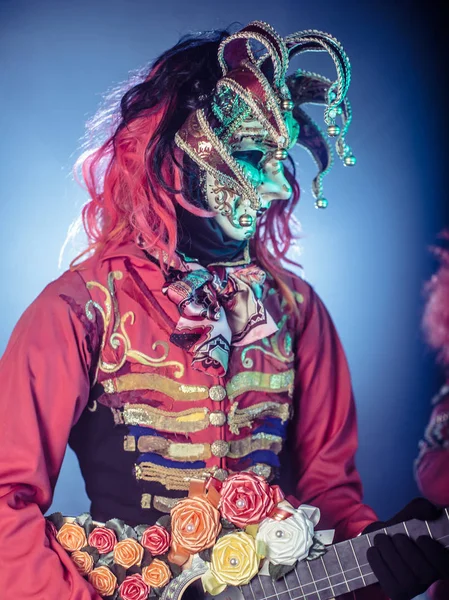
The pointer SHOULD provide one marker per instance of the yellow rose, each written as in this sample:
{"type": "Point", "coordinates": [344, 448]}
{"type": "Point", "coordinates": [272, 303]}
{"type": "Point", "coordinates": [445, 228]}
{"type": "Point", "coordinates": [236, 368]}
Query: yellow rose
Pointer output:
{"type": "Point", "coordinates": [83, 562]}
{"type": "Point", "coordinates": [234, 559]}
{"type": "Point", "coordinates": [71, 537]}
{"type": "Point", "coordinates": [157, 574]}
{"type": "Point", "coordinates": [103, 580]}
{"type": "Point", "coordinates": [128, 552]}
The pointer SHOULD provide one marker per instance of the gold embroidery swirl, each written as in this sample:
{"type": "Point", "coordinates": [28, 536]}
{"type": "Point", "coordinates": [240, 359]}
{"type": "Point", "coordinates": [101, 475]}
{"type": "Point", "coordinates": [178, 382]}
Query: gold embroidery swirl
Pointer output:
{"type": "Point", "coordinates": [279, 344]}
{"type": "Point", "coordinates": [119, 340]}
{"type": "Point", "coordinates": [157, 383]}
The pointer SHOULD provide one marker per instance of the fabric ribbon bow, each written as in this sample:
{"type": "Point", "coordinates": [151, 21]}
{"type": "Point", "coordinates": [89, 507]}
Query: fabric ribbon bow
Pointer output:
{"type": "Point", "coordinates": [218, 307]}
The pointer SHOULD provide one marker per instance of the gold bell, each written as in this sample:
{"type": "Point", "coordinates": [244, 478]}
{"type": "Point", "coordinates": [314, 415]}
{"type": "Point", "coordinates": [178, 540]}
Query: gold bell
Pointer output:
{"type": "Point", "coordinates": [245, 220]}
{"type": "Point", "coordinates": [349, 161]}
{"type": "Point", "coordinates": [321, 203]}
{"type": "Point", "coordinates": [333, 130]}
{"type": "Point", "coordinates": [287, 105]}
{"type": "Point", "coordinates": [280, 154]}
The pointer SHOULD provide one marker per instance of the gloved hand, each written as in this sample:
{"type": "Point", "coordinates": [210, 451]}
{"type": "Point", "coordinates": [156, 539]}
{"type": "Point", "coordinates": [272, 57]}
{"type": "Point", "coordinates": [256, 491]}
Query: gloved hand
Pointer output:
{"type": "Point", "coordinates": [406, 567]}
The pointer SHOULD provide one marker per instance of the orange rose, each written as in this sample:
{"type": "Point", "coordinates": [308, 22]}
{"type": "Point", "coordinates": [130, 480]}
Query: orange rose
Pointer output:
{"type": "Point", "coordinates": [157, 574]}
{"type": "Point", "coordinates": [195, 524]}
{"type": "Point", "coordinates": [103, 580]}
{"type": "Point", "coordinates": [128, 553]}
{"type": "Point", "coordinates": [83, 561]}
{"type": "Point", "coordinates": [71, 537]}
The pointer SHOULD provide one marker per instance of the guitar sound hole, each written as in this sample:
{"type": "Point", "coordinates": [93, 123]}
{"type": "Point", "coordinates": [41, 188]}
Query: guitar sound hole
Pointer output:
{"type": "Point", "coordinates": [195, 591]}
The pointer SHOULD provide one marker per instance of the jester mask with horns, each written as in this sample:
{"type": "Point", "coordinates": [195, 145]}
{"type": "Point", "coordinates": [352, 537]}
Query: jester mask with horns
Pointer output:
{"type": "Point", "coordinates": [255, 90]}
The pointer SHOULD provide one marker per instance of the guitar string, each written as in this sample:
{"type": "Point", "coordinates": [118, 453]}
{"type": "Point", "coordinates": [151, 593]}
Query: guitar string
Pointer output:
{"type": "Point", "coordinates": [311, 575]}
{"type": "Point", "coordinates": [307, 594]}
{"type": "Point", "coordinates": [341, 567]}
{"type": "Point", "coordinates": [343, 572]}
{"type": "Point", "coordinates": [327, 575]}
{"type": "Point", "coordinates": [346, 580]}
{"type": "Point", "coordinates": [357, 562]}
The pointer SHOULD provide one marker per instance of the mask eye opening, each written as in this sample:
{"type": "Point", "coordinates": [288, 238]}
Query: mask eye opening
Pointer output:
{"type": "Point", "coordinates": [251, 157]}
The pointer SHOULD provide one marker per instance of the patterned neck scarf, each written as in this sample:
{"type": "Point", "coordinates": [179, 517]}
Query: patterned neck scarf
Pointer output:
{"type": "Point", "coordinates": [219, 307]}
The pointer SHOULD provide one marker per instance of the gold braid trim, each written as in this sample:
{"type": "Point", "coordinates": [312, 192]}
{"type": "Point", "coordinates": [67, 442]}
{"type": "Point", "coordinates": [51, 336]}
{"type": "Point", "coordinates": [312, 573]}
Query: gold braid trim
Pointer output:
{"type": "Point", "coordinates": [164, 504]}
{"type": "Point", "coordinates": [260, 441]}
{"type": "Point", "coordinates": [171, 478]}
{"type": "Point", "coordinates": [191, 452]}
{"type": "Point", "coordinates": [173, 450]}
{"type": "Point", "coordinates": [158, 383]}
{"type": "Point", "coordinates": [186, 421]}
{"type": "Point", "coordinates": [257, 381]}
{"type": "Point", "coordinates": [244, 417]}
{"type": "Point", "coordinates": [145, 501]}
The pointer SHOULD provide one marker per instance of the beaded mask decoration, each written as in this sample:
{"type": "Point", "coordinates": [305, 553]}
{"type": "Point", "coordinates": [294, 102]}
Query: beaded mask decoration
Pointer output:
{"type": "Point", "coordinates": [254, 87]}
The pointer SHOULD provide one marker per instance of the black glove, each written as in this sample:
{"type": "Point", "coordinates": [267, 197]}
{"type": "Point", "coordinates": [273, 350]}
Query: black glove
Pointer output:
{"type": "Point", "coordinates": [406, 567]}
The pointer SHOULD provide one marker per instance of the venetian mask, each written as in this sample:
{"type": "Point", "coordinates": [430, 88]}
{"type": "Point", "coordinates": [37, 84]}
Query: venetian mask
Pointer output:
{"type": "Point", "coordinates": [240, 141]}
{"type": "Point", "coordinates": [251, 148]}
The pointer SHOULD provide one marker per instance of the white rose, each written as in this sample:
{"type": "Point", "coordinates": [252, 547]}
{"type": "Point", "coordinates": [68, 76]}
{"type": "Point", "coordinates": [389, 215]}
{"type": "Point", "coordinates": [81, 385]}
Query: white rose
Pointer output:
{"type": "Point", "coordinates": [286, 541]}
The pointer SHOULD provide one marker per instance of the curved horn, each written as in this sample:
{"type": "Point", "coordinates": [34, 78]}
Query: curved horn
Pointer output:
{"type": "Point", "coordinates": [236, 48]}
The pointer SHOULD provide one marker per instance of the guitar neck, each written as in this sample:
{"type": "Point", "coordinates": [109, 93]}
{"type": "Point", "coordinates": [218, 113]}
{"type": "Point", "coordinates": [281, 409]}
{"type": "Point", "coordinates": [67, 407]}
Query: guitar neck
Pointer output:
{"type": "Point", "coordinates": [343, 568]}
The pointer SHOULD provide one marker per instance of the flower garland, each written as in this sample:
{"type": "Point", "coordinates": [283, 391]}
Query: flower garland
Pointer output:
{"type": "Point", "coordinates": [239, 527]}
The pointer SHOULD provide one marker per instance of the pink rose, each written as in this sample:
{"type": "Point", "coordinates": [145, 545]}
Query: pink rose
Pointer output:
{"type": "Point", "coordinates": [103, 539]}
{"type": "Point", "coordinates": [156, 539]}
{"type": "Point", "coordinates": [246, 499]}
{"type": "Point", "coordinates": [134, 587]}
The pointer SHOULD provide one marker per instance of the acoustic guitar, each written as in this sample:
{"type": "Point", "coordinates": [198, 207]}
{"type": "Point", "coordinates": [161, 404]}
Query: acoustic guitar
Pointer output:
{"type": "Point", "coordinates": [343, 568]}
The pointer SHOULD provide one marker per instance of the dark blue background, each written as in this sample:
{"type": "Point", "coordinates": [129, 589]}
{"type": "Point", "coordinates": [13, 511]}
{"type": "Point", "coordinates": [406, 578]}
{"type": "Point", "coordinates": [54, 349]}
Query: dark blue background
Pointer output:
{"type": "Point", "coordinates": [366, 255]}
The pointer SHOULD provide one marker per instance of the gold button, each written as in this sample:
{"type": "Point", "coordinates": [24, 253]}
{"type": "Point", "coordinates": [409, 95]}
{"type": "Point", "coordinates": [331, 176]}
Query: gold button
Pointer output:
{"type": "Point", "coordinates": [217, 393]}
{"type": "Point", "coordinates": [219, 448]}
{"type": "Point", "coordinates": [221, 474]}
{"type": "Point", "coordinates": [217, 418]}
{"type": "Point", "coordinates": [262, 470]}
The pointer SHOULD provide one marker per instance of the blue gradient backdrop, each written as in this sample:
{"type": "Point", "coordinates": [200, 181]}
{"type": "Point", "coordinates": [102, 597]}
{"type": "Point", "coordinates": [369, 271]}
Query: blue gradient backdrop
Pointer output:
{"type": "Point", "coordinates": [365, 255]}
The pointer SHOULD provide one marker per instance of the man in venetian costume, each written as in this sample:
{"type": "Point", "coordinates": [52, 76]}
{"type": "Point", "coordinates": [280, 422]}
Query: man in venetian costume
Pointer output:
{"type": "Point", "coordinates": [180, 346]}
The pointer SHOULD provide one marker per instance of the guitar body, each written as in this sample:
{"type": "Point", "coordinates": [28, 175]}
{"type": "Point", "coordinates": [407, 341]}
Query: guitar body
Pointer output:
{"type": "Point", "coordinates": [188, 586]}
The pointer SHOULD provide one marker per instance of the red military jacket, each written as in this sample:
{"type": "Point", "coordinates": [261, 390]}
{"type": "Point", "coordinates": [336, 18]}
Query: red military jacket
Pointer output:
{"type": "Point", "coordinates": [93, 359]}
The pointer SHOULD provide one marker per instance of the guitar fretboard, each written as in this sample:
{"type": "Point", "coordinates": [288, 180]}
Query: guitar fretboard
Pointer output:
{"type": "Point", "coordinates": [342, 569]}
